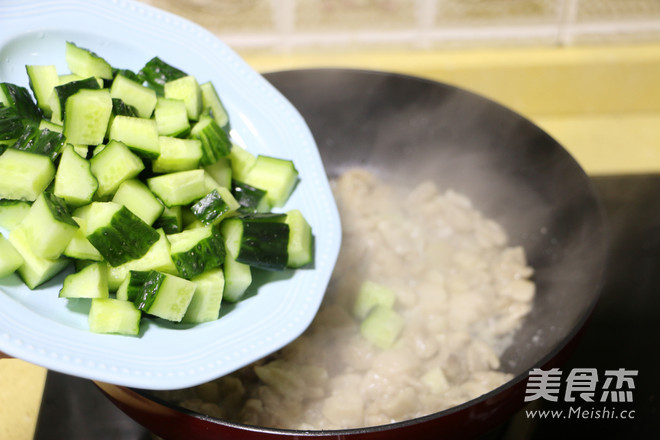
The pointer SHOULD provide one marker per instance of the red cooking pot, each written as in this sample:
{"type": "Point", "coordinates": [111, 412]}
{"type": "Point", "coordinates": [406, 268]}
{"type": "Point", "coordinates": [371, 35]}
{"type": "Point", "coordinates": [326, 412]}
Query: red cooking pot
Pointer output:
{"type": "Point", "coordinates": [408, 130]}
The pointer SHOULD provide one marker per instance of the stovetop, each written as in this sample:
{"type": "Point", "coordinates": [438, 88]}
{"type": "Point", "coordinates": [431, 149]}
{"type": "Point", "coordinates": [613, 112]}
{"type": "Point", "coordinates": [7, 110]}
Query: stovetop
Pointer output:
{"type": "Point", "coordinates": [624, 332]}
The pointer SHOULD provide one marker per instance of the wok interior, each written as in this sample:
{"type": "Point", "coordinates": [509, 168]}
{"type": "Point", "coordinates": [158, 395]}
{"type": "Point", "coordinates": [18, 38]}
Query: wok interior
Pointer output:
{"type": "Point", "coordinates": [408, 130]}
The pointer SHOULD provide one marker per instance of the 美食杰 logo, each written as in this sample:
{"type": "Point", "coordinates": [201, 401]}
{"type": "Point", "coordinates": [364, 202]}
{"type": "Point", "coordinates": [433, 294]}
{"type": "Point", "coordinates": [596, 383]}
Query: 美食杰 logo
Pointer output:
{"type": "Point", "coordinates": [580, 387]}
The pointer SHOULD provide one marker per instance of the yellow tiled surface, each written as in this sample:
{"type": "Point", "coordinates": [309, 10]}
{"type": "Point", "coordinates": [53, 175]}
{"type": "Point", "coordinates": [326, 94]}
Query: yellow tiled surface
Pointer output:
{"type": "Point", "coordinates": [609, 144]}
{"type": "Point", "coordinates": [601, 103]}
{"type": "Point", "coordinates": [21, 386]}
{"type": "Point", "coordinates": [576, 80]}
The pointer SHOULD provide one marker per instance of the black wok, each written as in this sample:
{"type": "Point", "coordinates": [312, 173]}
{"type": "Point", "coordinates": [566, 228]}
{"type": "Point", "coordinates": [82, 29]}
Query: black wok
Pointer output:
{"type": "Point", "coordinates": [406, 130]}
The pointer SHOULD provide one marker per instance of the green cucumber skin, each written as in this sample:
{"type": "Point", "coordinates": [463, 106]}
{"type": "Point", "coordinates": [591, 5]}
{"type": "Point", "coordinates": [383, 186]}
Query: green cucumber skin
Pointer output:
{"type": "Point", "coordinates": [20, 99]}
{"type": "Point", "coordinates": [124, 72]}
{"type": "Point", "coordinates": [207, 254]}
{"type": "Point", "coordinates": [126, 238]}
{"type": "Point", "coordinates": [149, 290]}
{"type": "Point", "coordinates": [264, 244]}
{"type": "Point", "coordinates": [58, 209]}
{"type": "Point", "coordinates": [157, 72]}
{"type": "Point", "coordinates": [11, 124]}
{"type": "Point", "coordinates": [120, 108]}
{"type": "Point", "coordinates": [250, 198]}
{"type": "Point", "coordinates": [170, 221]}
{"type": "Point", "coordinates": [169, 224]}
{"type": "Point", "coordinates": [215, 141]}
{"type": "Point", "coordinates": [136, 279]}
{"type": "Point", "coordinates": [40, 141]}
{"type": "Point", "coordinates": [210, 207]}
{"type": "Point", "coordinates": [165, 296]}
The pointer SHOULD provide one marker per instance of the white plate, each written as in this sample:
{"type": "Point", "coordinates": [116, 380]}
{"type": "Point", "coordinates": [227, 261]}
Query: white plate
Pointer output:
{"type": "Point", "coordinates": [40, 328]}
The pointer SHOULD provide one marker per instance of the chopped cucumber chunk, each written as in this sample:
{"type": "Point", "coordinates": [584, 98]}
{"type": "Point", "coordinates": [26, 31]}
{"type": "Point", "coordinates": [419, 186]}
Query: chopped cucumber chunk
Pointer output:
{"type": "Point", "coordinates": [140, 135]}
{"type": "Point", "coordinates": [177, 155]}
{"type": "Point", "coordinates": [180, 188]}
{"type": "Point", "coordinates": [134, 94]}
{"type": "Point", "coordinates": [132, 285]}
{"type": "Point", "coordinates": [85, 63]}
{"type": "Point", "coordinates": [48, 226]}
{"type": "Point", "coordinates": [214, 141]}
{"type": "Point", "coordinates": [135, 195]}
{"type": "Point", "coordinates": [301, 240]}
{"type": "Point", "coordinates": [242, 162]}
{"type": "Point", "coordinates": [19, 99]}
{"type": "Point", "coordinates": [187, 90]}
{"type": "Point", "coordinates": [69, 85]}
{"type": "Point", "coordinates": [195, 251]}
{"type": "Point", "coordinates": [12, 213]}
{"type": "Point", "coordinates": [382, 326]}
{"type": "Point", "coordinates": [74, 181]}
{"type": "Point", "coordinates": [215, 206]}
{"type": "Point", "coordinates": [371, 295]}
{"type": "Point", "coordinates": [171, 220]}
{"type": "Point", "coordinates": [12, 126]}
{"type": "Point", "coordinates": [220, 172]}
{"type": "Point", "coordinates": [90, 282]}
{"type": "Point", "coordinates": [157, 258]}
{"type": "Point", "coordinates": [113, 165]}
{"type": "Point", "coordinates": [110, 315]}
{"type": "Point", "coordinates": [207, 299]}
{"type": "Point", "coordinates": [35, 270]}
{"type": "Point", "coordinates": [43, 79]}
{"type": "Point", "coordinates": [79, 247]}
{"type": "Point", "coordinates": [211, 100]}
{"type": "Point", "coordinates": [250, 198]}
{"type": "Point", "coordinates": [86, 116]}
{"type": "Point", "coordinates": [238, 277]}
{"type": "Point", "coordinates": [24, 175]}
{"type": "Point", "coordinates": [118, 234]}
{"type": "Point", "coordinates": [10, 259]}
{"type": "Point", "coordinates": [157, 72]}
{"type": "Point", "coordinates": [277, 176]}
{"type": "Point", "coordinates": [40, 141]}
{"type": "Point", "coordinates": [166, 296]}
{"type": "Point", "coordinates": [171, 117]}
{"type": "Point", "coordinates": [260, 242]}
